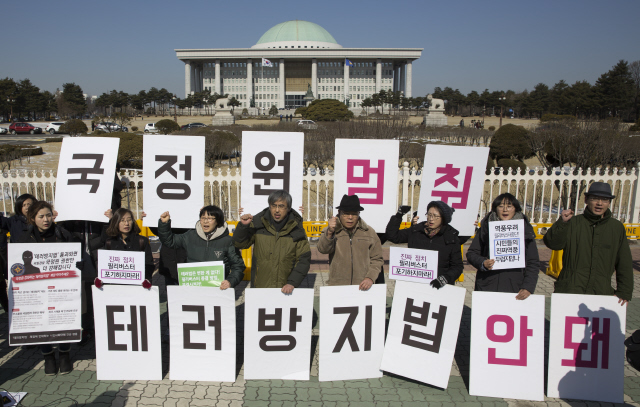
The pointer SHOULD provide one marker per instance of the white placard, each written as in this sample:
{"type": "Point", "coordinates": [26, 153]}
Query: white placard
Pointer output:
{"type": "Point", "coordinates": [506, 244]}
{"type": "Point", "coordinates": [507, 341]}
{"type": "Point", "coordinates": [414, 265]}
{"type": "Point", "coordinates": [120, 267]}
{"type": "Point", "coordinates": [454, 175]}
{"type": "Point", "coordinates": [173, 179]}
{"type": "Point", "coordinates": [127, 321]}
{"type": "Point", "coordinates": [44, 293]}
{"type": "Point", "coordinates": [351, 332]}
{"type": "Point", "coordinates": [277, 334]}
{"type": "Point", "coordinates": [84, 185]}
{"type": "Point", "coordinates": [423, 331]}
{"type": "Point", "coordinates": [586, 350]}
{"type": "Point", "coordinates": [203, 334]}
{"type": "Point", "coordinates": [369, 169]}
{"type": "Point", "coordinates": [271, 161]}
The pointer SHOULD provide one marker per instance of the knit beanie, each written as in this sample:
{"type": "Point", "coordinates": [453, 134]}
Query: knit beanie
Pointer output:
{"type": "Point", "coordinates": [445, 210]}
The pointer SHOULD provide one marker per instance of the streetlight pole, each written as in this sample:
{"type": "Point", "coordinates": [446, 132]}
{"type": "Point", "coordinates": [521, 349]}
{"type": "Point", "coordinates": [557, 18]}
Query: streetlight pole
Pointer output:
{"type": "Point", "coordinates": [502, 99]}
{"type": "Point", "coordinates": [175, 110]}
{"type": "Point", "coordinates": [10, 100]}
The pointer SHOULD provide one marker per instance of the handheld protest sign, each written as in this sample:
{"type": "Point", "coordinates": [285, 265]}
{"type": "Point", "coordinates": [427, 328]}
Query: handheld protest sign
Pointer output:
{"type": "Point", "coordinates": [351, 332]}
{"type": "Point", "coordinates": [120, 267]}
{"type": "Point", "coordinates": [201, 274]}
{"type": "Point", "coordinates": [507, 341]}
{"type": "Point", "coordinates": [369, 169]}
{"type": "Point", "coordinates": [44, 293]}
{"type": "Point", "coordinates": [203, 334]}
{"type": "Point", "coordinates": [271, 161]}
{"type": "Point", "coordinates": [173, 179]}
{"type": "Point", "coordinates": [586, 351]}
{"type": "Point", "coordinates": [506, 244]}
{"type": "Point", "coordinates": [454, 175]}
{"type": "Point", "coordinates": [84, 184]}
{"type": "Point", "coordinates": [277, 334]}
{"type": "Point", "coordinates": [414, 265]}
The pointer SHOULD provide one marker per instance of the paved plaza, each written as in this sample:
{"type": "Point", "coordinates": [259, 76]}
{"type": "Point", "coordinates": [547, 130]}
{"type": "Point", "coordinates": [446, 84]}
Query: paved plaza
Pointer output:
{"type": "Point", "coordinates": [21, 369]}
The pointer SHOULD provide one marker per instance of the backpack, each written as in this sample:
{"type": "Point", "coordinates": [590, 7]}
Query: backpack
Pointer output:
{"type": "Point", "coordinates": [633, 349]}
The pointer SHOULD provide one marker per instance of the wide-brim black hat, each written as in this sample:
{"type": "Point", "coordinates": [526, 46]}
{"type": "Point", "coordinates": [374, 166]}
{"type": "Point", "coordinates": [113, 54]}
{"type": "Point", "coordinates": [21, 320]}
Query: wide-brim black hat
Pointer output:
{"type": "Point", "coordinates": [600, 189]}
{"type": "Point", "coordinates": [350, 203]}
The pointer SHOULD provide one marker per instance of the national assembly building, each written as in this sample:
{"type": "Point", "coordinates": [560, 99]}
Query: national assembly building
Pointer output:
{"type": "Point", "coordinates": [291, 58]}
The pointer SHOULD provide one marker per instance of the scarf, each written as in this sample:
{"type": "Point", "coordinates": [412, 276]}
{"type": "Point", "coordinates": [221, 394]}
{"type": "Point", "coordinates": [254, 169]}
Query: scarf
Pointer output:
{"type": "Point", "coordinates": [431, 232]}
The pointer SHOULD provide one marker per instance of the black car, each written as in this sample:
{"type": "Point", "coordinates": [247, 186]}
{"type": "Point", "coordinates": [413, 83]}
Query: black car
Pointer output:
{"type": "Point", "coordinates": [192, 126]}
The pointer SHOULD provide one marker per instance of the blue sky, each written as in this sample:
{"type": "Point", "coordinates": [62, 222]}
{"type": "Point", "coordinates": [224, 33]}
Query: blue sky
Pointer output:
{"type": "Point", "coordinates": [470, 45]}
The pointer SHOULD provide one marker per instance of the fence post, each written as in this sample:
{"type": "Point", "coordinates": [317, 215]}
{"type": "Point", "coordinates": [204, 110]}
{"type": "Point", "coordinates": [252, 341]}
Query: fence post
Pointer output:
{"type": "Point", "coordinates": [405, 183]}
{"type": "Point", "coordinates": [636, 196]}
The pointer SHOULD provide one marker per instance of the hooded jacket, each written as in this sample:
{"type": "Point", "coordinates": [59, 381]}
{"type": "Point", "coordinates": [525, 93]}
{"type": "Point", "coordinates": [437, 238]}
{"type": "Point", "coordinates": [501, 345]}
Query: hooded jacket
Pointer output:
{"type": "Point", "coordinates": [506, 280]}
{"type": "Point", "coordinates": [200, 247]}
{"type": "Point", "coordinates": [352, 256]}
{"type": "Point", "coordinates": [279, 258]}
{"type": "Point", "coordinates": [594, 247]}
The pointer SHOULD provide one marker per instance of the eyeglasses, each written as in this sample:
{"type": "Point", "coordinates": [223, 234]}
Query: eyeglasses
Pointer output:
{"type": "Point", "coordinates": [599, 199]}
{"type": "Point", "coordinates": [206, 219]}
{"type": "Point", "coordinates": [281, 206]}
{"type": "Point", "coordinates": [126, 220]}
{"type": "Point", "coordinates": [432, 216]}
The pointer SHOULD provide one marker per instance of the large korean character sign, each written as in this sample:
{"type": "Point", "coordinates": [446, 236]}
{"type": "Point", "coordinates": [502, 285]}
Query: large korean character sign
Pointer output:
{"type": "Point", "coordinates": [454, 175]}
{"type": "Point", "coordinates": [84, 185]}
{"type": "Point", "coordinates": [369, 169]}
{"type": "Point", "coordinates": [586, 351]}
{"type": "Point", "coordinates": [271, 161]}
{"type": "Point", "coordinates": [507, 341]}
{"type": "Point", "coordinates": [277, 334]}
{"type": "Point", "coordinates": [173, 179]}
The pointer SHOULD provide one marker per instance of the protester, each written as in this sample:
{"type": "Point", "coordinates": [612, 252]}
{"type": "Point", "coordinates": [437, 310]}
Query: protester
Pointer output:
{"type": "Point", "coordinates": [209, 241]}
{"type": "Point", "coordinates": [518, 280]}
{"type": "Point", "coordinates": [281, 253]}
{"type": "Point", "coordinates": [18, 224]}
{"type": "Point", "coordinates": [594, 245]}
{"type": "Point", "coordinates": [354, 249]}
{"type": "Point", "coordinates": [436, 234]}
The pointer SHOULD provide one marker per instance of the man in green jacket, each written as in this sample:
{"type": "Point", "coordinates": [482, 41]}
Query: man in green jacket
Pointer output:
{"type": "Point", "coordinates": [281, 253]}
{"type": "Point", "coordinates": [595, 245]}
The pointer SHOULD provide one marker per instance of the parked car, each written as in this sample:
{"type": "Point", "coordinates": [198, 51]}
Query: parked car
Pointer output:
{"type": "Point", "coordinates": [307, 124]}
{"type": "Point", "coordinates": [4, 130]}
{"type": "Point", "coordinates": [53, 127]}
{"type": "Point", "coordinates": [110, 126]}
{"type": "Point", "coordinates": [150, 128]}
{"type": "Point", "coordinates": [192, 126]}
{"type": "Point", "coordinates": [21, 127]}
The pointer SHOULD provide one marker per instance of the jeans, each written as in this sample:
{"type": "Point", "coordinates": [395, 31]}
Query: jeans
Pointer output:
{"type": "Point", "coordinates": [48, 348]}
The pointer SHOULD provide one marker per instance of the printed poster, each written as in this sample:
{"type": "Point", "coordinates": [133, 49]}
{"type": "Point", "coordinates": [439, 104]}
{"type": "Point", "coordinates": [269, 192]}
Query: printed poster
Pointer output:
{"type": "Point", "coordinates": [414, 265]}
{"type": "Point", "coordinates": [201, 274]}
{"type": "Point", "coordinates": [506, 244]}
{"type": "Point", "coordinates": [121, 267]}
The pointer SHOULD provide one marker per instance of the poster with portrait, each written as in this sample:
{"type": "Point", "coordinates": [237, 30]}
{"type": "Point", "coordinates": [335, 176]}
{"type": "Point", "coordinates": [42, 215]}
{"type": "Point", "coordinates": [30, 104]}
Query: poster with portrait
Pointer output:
{"type": "Point", "coordinates": [414, 265]}
{"type": "Point", "coordinates": [506, 244]}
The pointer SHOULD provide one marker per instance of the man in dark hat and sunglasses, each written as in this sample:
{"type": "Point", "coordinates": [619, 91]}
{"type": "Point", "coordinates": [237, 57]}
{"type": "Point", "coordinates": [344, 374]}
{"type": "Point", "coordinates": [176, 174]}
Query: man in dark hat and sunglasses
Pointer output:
{"type": "Point", "coordinates": [595, 245]}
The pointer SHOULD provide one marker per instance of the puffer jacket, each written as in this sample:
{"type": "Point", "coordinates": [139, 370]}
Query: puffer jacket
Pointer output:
{"type": "Point", "coordinates": [133, 243]}
{"type": "Point", "coordinates": [505, 280]}
{"type": "Point", "coordinates": [217, 247]}
{"type": "Point", "coordinates": [279, 258]}
{"type": "Point", "coordinates": [594, 247]}
{"type": "Point", "coordinates": [353, 256]}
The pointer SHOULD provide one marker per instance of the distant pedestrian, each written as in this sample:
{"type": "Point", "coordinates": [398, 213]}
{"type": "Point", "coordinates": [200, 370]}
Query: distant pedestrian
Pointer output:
{"type": "Point", "coordinates": [462, 123]}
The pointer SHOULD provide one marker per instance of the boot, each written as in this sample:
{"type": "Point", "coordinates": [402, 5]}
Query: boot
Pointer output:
{"type": "Point", "coordinates": [50, 367]}
{"type": "Point", "coordinates": [65, 363]}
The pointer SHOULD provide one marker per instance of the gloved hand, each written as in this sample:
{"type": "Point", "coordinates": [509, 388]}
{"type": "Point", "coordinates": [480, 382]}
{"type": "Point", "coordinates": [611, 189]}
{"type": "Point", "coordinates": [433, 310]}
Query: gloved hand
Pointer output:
{"type": "Point", "coordinates": [440, 282]}
{"type": "Point", "coordinates": [80, 264]}
{"type": "Point", "coordinates": [146, 284]}
{"type": "Point", "coordinates": [97, 282]}
{"type": "Point", "coordinates": [403, 210]}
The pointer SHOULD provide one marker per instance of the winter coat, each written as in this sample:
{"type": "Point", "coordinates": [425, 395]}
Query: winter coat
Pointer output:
{"type": "Point", "coordinates": [446, 243]}
{"type": "Point", "coordinates": [17, 226]}
{"type": "Point", "coordinates": [133, 243]}
{"type": "Point", "coordinates": [352, 256]}
{"type": "Point", "coordinates": [169, 257]}
{"type": "Point", "coordinates": [55, 234]}
{"type": "Point", "coordinates": [594, 247]}
{"type": "Point", "coordinates": [506, 280]}
{"type": "Point", "coordinates": [279, 258]}
{"type": "Point", "coordinates": [216, 247]}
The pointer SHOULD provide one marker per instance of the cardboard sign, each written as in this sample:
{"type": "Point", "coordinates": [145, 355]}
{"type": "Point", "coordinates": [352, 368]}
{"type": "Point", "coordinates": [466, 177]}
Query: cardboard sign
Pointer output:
{"type": "Point", "coordinates": [423, 331]}
{"type": "Point", "coordinates": [507, 341]}
{"type": "Point", "coordinates": [352, 332]}
{"type": "Point", "coordinates": [201, 274]}
{"type": "Point", "coordinates": [173, 179]}
{"type": "Point", "coordinates": [127, 321]}
{"type": "Point", "coordinates": [454, 175]}
{"type": "Point", "coordinates": [369, 169]}
{"type": "Point", "coordinates": [414, 265]}
{"type": "Point", "coordinates": [203, 334]}
{"type": "Point", "coordinates": [506, 244]}
{"type": "Point", "coordinates": [277, 334]}
{"type": "Point", "coordinates": [86, 171]}
{"type": "Point", "coordinates": [120, 267]}
{"type": "Point", "coordinates": [271, 161]}
{"type": "Point", "coordinates": [44, 293]}
{"type": "Point", "coordinates": [586, 351]}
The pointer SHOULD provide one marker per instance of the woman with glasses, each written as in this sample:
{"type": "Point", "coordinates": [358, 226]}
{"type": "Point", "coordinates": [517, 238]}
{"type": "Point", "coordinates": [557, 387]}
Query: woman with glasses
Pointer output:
{"type": "Point", "coordinates": [520, 281]}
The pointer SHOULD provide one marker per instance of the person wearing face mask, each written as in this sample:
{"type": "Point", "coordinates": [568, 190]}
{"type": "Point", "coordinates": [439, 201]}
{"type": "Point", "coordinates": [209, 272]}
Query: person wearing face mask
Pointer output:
{"type": "Point", "coordinates": [521, 281]}
{"type": "Point", "coordinates": [594, 245]}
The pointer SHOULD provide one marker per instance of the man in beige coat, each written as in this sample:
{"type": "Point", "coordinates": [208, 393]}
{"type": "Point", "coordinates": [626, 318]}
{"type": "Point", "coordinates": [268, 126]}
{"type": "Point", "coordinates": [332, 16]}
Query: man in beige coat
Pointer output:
{"type": "Point", "coordinates": [354, 249]}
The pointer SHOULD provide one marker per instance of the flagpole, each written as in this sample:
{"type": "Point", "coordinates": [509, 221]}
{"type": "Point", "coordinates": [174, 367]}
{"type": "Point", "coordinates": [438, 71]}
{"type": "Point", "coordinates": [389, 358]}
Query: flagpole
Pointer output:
{"type": "Point", "coordinates": [262, 76]}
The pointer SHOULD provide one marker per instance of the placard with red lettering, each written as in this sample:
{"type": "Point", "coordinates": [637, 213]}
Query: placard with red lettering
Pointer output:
{"type": "Point", "coordinates": [44, 293]}
{"type": "Point", "coordinates": [423, 332]}
{"type": "Point", "coordinates": [506, 244]}
{"type": "Point", "coordinates": [507, 341]}
{"type": "Point", "coordinates": [586, 348]}
{"type": "Point", "coordinates": [120, 267]}
{"type": "Point", "coordinates": [351, 332]}
{"type": "Point", "coordinates": [271, 161]}
{"type": "Point", "coordinates": [454, 175]}
{"type": "Point", "coordinates": [277, 334]}
{"type": "Point", "coordinates": [369, 169]}
{"type": "Point", "coordinates": [414, 265]}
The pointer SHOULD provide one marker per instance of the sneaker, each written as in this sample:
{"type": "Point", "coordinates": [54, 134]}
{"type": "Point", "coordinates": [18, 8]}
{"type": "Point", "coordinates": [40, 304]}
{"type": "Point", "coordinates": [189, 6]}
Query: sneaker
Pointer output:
{"type": "Point", "coordinates": [65, 363]}
{"type": "Point", "coordinates": [50, 366]}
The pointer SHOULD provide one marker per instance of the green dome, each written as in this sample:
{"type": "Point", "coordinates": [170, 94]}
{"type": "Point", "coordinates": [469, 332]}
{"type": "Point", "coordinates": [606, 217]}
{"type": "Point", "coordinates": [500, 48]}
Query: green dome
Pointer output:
{"type": "Point", "coordinates": [297, 30]}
